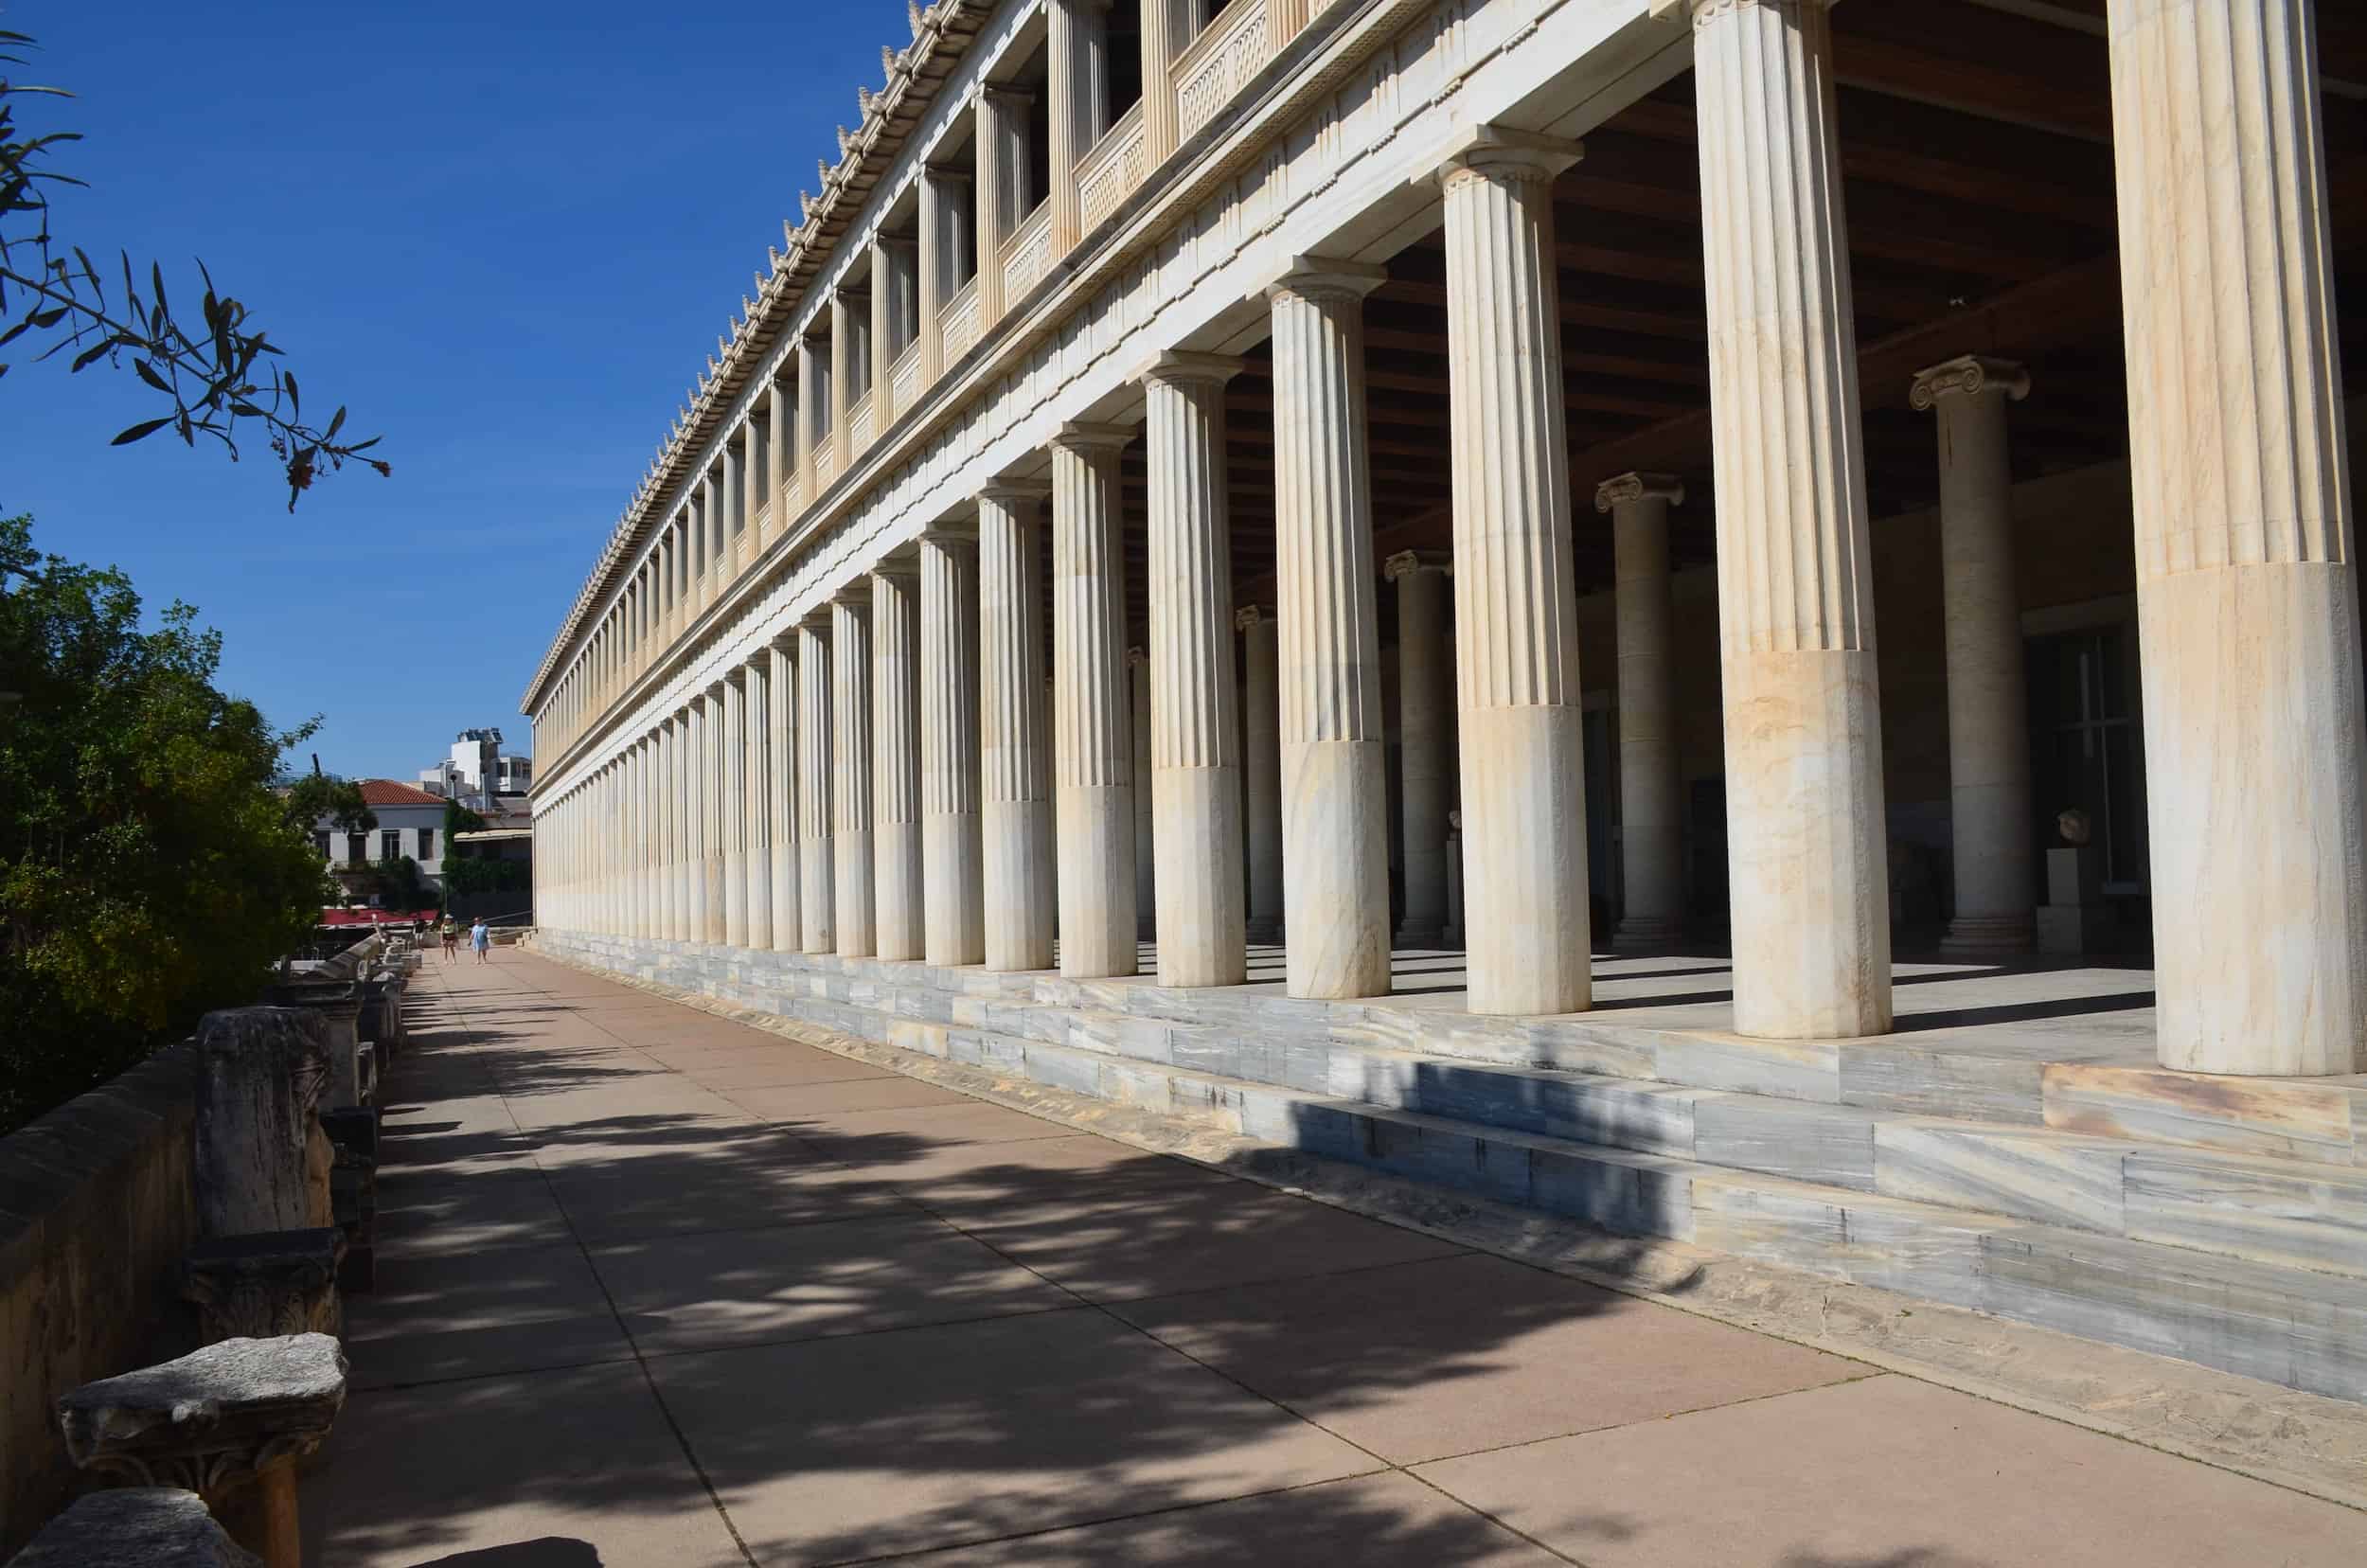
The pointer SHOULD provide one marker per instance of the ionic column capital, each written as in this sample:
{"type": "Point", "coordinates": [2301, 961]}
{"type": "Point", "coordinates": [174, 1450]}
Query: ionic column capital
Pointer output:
{"type": "Point", "coordinates": [1085, 439]}
{"type": "Point", "coordinates": [1249, 617]}
{"type": "Point", "coordinates": [1702, 12]}
{"type": "Point", "coordinates": [1179, 367]}
{"type": "Point", "coordinates": [1639, 487]}
{"type": "Point", "coordinates": [1498, 152]}
{"type": "Point", "coordinates": [1321, 279]}
{"type": "Point", "coordinates": [1009, 99]}
{"type": "Point", "coordinates": [1405, 564]}
{"type": "Point", "coordinates": [1970, 375]}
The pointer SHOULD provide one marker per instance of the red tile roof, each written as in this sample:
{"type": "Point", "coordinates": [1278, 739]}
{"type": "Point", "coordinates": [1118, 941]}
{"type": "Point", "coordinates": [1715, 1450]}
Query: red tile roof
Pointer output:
{"type": "Point", "coordinates": [385, 792]}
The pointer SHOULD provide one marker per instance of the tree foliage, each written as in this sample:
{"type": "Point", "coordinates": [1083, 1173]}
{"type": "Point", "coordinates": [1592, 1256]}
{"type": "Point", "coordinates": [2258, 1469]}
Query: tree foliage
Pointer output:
{"type": "Point", "coordinates": [318, 797]}
{"type": "Point", "coordinates": [147, 870]}
{"type": "Point", "coordinates": [218, 374]}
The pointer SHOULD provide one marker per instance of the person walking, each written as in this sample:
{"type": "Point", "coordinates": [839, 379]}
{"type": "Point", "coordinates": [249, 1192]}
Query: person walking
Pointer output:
{"type": "Point", "coordinates": [451, 933]}
{"type": "Point", "coordinates": [481, 939]}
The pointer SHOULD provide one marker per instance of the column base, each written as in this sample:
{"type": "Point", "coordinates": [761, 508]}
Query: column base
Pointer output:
{"type": "Point", "coordinates": [1429, 936]}
{"type": "Point", "coordinates": [1266, 932]}
{"type": "Point", "coordinates": [1647, 933]}
{"type": "Point", "coordinates": [1988, 935]}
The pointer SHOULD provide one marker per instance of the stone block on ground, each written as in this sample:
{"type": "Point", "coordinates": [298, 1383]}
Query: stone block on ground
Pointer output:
{"type": "Point", "coordinates": [261, 1159]}
{"type": "Point", "coordinates": [135, 1528]}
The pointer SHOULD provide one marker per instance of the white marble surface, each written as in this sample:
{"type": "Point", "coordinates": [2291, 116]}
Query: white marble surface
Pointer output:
{"type": "Point", "coordinates": [1651, 792]}
{"type": "Point", "coordinates": [2248, 603]}
{"type": "Point", "coordinates": [816, 855]}
{"type": "Point", "coordinates": [1015, 738]}
{"type": "Point", "coordinates": [898, 889]}
{"type": "Point", "coordinates": [953, 924]}
{"type": "Point", "coordinates": [1092, 747]}
{"type": "Point", "coordinates": [1809, 865]}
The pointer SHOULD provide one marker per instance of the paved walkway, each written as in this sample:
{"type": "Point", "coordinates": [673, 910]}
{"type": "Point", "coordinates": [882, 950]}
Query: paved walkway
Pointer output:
{"type": "Point", "coordinates": [657, 1288]}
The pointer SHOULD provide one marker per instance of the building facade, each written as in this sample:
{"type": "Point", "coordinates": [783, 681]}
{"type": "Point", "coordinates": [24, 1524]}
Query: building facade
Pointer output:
{"type": "Point", "coordinates": [1368, 471]}
{"type": "Point", "coordinates": [477, 766]}
{"type": "Point", "coordinates": [410, 822]}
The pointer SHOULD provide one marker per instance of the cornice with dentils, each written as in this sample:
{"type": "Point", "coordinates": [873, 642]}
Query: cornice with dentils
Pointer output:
{"type": "Point", "coordinates": [942, 33]}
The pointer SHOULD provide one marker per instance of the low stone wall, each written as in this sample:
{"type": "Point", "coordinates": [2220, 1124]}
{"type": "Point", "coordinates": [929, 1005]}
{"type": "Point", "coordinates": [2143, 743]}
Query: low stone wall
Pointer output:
{"type": "Point", "coordinates": [98, 1206]}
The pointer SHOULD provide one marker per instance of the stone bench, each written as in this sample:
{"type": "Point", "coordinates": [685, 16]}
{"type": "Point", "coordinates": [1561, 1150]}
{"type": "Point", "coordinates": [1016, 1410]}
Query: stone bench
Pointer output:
{"type": "Point", "coordinates": [135, 1528]}
{"type": "Point", "coordinates": [217, 1421]}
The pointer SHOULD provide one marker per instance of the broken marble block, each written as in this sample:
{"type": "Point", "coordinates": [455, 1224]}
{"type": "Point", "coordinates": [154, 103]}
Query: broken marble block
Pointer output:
{"type": "Point", "coordinates": [266, 1284]}
{"type": "Point", "coordinates": [135, 1528]}
{"type": "Point", "coordinates": [213, 1421]}
{"type": "Point", "coordinates": [352, 1076]}
{"type": "Point", "coordinates": [260, 1157]}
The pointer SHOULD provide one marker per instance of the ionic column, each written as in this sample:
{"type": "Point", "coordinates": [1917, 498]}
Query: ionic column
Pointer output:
{"type": "Point", "coordinates": [1138, 725]}
{"type": "Point", "coordinates": [1528, 938]}
{"type": "Point", "coordinates": [1651, 800]}
{"type": "Point", "coordinates": [1168, 26]}
{"type": "Point", "coordinates": [731, 802]}
{"type": "Point", "coordinates": [813, 411]}
{"type": "Point", "coordinates": [668, 786]}
{"type": "Point", "coordinates": [1805, 822]}
{"type": "Point", "coordinates": [710, 514]}
{"type": "Point", "coordinates": [953, 918]}
{"type": "Point", "coordinates": [887, 254]}
{"type": "Point", "coordinates": [850, 776]}
{"type": "Point", "coordinates": [755, 797]}
{"type": "Point", "coordinates": [1093, 751]}
{"type": "Point", "coordinates": [651, 924]}
{"type": "Point", "coordinates": [1015, 751]}
{"type": "Point", "coordinates": [1425, 739]}
{"type": "Point", "coordinates": [1988, 737]}
{"type": "Point", "coordinates": [1195, 762]}
{"type": "Point", "coordinates": [780, 449]}
{"type": "Point", "coordinates": [898, 889]}
{"type": "Point", "coordinates": [2248, 603]}
{"type": "Point", "coordinates": [1078, 33]}
{"type": "Point", "coordinates": [781, 798]}
{"type": "Point", "coordinates": [1261, 768]}
{"type": "Point", "coordinates": [940, 263]}
{"type": "Point", "coordinates": [1335, 811]}
{"type": "Point", "coordinates": [1002, 194]}
{"type": "Point", "coordinates": [816, 850]}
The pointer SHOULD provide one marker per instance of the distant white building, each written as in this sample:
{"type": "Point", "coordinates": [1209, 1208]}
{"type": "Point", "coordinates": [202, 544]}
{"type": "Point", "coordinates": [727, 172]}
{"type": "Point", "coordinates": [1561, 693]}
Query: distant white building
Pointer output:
{"type": "Point", "coordinates": [410, 822]}
{"type": "Point", "coordinates": [478, 767]}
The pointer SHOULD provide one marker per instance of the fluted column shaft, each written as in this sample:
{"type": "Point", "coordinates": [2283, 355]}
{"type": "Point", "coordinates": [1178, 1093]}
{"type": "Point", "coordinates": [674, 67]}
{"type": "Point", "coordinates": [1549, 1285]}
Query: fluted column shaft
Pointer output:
{"type": "Point", "coordinates": [898, 889]}
{"type": "Point", "coordinates": [1425, 740]}
{"type": "Point", "coordinates": [731, 808]}
{"type": "Point", "coordinates": [757, 799]}
{"type": "Point", "coordinates": [1000, 200]}
{"type": "Point", "coordinates": [1194, 733]}
{"type": "Point", "coordinates": [816, 855]}
{"type": "Point", "coordinates": [1261, 769]}
{"type": "Point", "coordinates": [781, 790]}
{"type": "Point", "coordinates": [852, 837]}
{"type": "Point", "coordinates": [2246, 600]}
{"type": "Point", "coordinates": [1527, 936]}
{"type": "Point", "coordinates": [1651, 807]}
{"type": "Point", "coordinates": [1988, 734]}
{"type": "Point", "coordinates": [1335, 814]}
{"type": "Point", "coordinates": [1146, 847]}
{"type": "Point", "coordinates": [714, 787]}
{"type": "Point", "coordinates": [1092, 748]}
{"type": "Point", "coordinates": [780, 449]}
{"type": "Point", "coordinates": [696, 771]}
{"type": "Point", "coordinates": [1018, 871]}
{"type": "Point", "coordinates": [1806, 829]}
{"type": "Point", "coordinates": [667, 792]}
{"type": "Point", "coordinates": [953, 916]}
{"type": "Point", "coordinates": [1078, 35]}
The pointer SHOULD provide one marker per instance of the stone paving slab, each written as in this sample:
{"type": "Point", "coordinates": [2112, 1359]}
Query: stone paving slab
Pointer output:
{"type": "Point", "coordinates": [1042, 1347]}
{"type": "Point", "coordinates": [1888, 1471]}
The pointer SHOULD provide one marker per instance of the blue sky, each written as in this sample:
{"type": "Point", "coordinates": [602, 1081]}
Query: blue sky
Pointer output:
{"type": "Point", "coordinates": [505, 234]}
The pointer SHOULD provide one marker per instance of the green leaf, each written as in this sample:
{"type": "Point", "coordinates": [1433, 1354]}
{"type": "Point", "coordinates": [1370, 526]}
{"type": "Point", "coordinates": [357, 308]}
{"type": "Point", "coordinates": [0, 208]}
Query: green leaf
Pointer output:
{"type": "Point", "coordinates": [145, 428]}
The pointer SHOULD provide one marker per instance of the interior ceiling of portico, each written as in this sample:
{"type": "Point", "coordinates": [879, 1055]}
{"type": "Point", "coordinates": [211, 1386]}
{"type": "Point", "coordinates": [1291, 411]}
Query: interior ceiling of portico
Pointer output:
{"type": "Point", "coordinates": [1976, 152]}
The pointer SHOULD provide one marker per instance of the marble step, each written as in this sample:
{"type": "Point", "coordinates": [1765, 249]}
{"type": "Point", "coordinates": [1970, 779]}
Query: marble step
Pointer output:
{"type": "Point", "coordinates": [2289, 1325]}
{"type": "Point", "coordinates": [2272, 1210]}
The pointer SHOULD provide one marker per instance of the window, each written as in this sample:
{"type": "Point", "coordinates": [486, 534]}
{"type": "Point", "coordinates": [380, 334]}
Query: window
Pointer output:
{"type": "Point", "coordinates": [427, 843]}
{"type": "Point", "coordinates": [320, 842]}
{"type": "Point", "coordinates": [357, 848]}
{"type": "Point", "coordinates": [390, 843]}
{"type": "Point", "coordinates": [2089, 748]}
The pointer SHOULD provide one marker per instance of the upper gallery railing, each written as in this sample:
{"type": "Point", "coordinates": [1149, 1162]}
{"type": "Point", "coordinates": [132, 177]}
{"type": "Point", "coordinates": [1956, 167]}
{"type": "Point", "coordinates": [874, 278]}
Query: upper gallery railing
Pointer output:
{"type": "Point", "coordinates": [1219, 63]}
{"type": "Point", "coordinates": [1110, 173]}
{"type": "Point", "coordinates": [959, 326]}
{"type": "Point", "coordinates": [904, 379]}
{"type": "Point", "coordinates": [1027, 254]}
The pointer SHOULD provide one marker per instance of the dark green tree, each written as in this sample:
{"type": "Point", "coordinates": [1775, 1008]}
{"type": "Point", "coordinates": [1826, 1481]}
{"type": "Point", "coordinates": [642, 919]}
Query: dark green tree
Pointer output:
{"type": "Point", "coordinates": [148, 872]}
{"type": "Point", "coordinates": [218, 374]}
{"type": "Point", "coordinates": [316, 798]}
